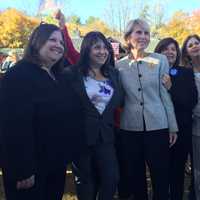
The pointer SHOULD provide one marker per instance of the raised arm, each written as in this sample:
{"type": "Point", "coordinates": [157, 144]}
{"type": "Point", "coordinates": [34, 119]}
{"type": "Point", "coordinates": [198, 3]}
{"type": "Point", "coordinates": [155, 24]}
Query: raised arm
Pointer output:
{"type": "Point", "coordinates": [72, 54]}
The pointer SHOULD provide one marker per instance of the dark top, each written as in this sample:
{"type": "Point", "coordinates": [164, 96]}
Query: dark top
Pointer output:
{"type": "Point", "coordinates": [41, 121]}
{"type": "Point", "coordinates": [184, 95]}
{"type": "Point", "coordinates": [98, 127]}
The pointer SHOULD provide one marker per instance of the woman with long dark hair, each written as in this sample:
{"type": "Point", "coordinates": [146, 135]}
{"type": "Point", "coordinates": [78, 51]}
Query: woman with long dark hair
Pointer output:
{"type": "Point", "coordinates": [96, 82]}
{"type": "Point", "coordinates": [184, 96]}
{"type": "Point", "coordinates": [191, 59]}
{"type": "Point", "coordinates": [41, 120]}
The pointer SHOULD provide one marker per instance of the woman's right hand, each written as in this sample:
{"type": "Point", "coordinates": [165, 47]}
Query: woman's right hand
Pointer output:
{"type": "Point", "coordinates": [166, 80]}
{"type": "Point", "coordinates": [26, 183]}
{"type": "Point", "coordinates": [172, 138]}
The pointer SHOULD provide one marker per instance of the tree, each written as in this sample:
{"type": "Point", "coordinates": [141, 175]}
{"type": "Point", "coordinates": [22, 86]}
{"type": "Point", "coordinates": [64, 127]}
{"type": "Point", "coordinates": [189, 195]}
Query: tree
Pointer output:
{"type": "Point", "coordinates": [157, 19]}
{"type": "Point", "coordinates": [177, 27]}
{"type": "Point", "coordinates": [118, 13]}
{"type": "Point", "coordinates": [91, 20]}
{"type": "Point", "coordinates": [194, 21]}
{"type": "Point", "coordinates": [15, 28]}
{"type": "Point", "coordinates": [74, 19]}
{"type": "Point", "coordinates": [145, 13]}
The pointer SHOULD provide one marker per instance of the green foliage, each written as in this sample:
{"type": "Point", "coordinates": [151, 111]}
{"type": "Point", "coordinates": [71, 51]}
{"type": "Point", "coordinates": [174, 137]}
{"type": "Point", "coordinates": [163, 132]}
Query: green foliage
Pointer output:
{"type": "Point", "coordinates": [91, 20]}
{"type": "Point", "coordinates": [75, 19]}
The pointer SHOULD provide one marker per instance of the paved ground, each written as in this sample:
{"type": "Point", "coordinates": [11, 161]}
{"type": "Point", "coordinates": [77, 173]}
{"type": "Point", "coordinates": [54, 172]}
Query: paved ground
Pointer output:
{"type": "Point", "coordinates": [70, 191]}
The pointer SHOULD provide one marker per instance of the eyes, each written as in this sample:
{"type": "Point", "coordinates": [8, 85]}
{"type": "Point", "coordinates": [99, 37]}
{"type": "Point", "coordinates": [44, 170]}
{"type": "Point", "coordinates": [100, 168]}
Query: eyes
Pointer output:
{"type": "Point", "coordinates": [169, 49]}
{"type": "Point", "coordinates": [52, 39]}
{"type": "Point", "coordinates": [190, 45]}
{"type": "Point", "coordinates": [140, 32]}
{"type": "Point", "coordinates": [99, 47]}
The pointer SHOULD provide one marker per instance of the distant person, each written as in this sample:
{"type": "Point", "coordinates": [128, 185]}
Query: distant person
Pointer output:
{"type": "Point", "coordinates": [191, 59]}
{"type": "Point", "coordinates": [41, 120]}
{"type": "Point", "coordinates": [119, 50]}
{"type": "Point", "coordinates": [9, 62]}
{"type": "Point", "coordinates": [184, 96]}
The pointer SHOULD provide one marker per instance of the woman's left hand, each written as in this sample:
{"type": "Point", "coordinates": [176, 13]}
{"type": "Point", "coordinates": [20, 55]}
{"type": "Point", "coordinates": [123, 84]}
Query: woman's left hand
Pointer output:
{"type": "Point", "coordinates": [172, 139]}
{"type": "Point", "coordinates": [166, 80]}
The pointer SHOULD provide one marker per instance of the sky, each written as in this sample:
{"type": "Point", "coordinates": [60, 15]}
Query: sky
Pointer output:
{"type": "Point", "coordinates": [86, 8]}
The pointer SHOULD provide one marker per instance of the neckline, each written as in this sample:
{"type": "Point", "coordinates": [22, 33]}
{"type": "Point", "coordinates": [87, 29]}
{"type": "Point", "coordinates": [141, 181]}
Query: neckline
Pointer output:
{"type": "Point", "coordinates": [103, 80]}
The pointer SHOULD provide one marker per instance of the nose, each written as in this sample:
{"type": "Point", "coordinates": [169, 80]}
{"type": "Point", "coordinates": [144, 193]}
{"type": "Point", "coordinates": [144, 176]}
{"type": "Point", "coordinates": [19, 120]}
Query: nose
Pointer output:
{"type": "Point", "coordinates": [102, 50]}
{"type": "Point", "coordinates": [170, 51]}
{"type": "Point", "coordinates": [59, 45]}
{"type": "Point", "coordinates": [142, 35]}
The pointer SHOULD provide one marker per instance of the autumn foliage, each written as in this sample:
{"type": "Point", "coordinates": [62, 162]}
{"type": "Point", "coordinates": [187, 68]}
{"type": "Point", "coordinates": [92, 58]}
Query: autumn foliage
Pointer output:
{"type": "Point", "coordinates": [181, 25]}
{"type": "Point", "coordinates": [15, 28]}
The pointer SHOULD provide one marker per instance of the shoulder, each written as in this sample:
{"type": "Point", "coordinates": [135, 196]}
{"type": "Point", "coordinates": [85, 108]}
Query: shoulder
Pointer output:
{"type": "Point", "coordinates": [123, 63]}
{"type": "Point", "coordinates": [184, 70]}
{"type": "Point", "coordinates": [21, 71]}
{"type": "Point", "coordinates": [71, 72]}
{"type": "Point", "coordinates": [157, 57]}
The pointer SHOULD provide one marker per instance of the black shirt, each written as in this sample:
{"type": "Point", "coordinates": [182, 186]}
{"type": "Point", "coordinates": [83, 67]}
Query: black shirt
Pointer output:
{"type": "Point", "coordinates": [184, 94]}
{"type": "Point", "coordinates": [41, 120]}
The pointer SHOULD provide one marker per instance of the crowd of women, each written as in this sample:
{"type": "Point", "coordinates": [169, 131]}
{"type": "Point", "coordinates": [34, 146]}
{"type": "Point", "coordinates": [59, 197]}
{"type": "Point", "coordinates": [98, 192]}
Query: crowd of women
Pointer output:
{"type": "Point", "coordinates": [58, 108]}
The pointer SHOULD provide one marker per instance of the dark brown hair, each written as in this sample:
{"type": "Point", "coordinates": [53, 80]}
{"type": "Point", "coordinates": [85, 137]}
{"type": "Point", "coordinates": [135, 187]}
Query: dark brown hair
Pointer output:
{"type": "Point", "coordinates": [185, 58]}
{"type": "Point", "coordinates": [162, 45]}
{"type": "Point", "coordinates": [89, 40]}
{"type": "Point", "coordinates": [38, 38]}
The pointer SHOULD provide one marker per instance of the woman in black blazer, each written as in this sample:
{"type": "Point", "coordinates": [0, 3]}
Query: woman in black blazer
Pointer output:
{"type": "Point", "coordinates": [184, 96]}
{"type": "Point", "coordinates": [96, 82]}
{"type": "Point", "coordinates": [41, 120]}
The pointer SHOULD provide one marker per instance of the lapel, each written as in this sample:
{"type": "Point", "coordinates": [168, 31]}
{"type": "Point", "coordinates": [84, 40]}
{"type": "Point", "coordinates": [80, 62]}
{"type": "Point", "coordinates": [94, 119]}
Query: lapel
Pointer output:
{"type": "Point", "coordinates": [78, 84]}
{"type": "Point", "coordinates": [79, 87]}
{"type": "Point", "coordinates": [114, 85]}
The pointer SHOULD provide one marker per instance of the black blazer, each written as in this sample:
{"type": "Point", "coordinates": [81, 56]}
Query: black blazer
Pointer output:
{"type": "Point", "coordinates": [98, 127]}
{"type": "Point", "coordinates": [41, 121]}
{"type": "Point", "coordinates": [184, 94]}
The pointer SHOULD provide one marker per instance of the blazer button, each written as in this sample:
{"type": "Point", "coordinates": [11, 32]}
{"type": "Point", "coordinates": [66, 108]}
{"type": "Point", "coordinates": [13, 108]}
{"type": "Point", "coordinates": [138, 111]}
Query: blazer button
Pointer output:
{"type": "Point", "coordinates": [139, 89]}
{"type": "Point", "coordinates": [140, 75]}
{"type": "Point", "coordinates": [141, 103]}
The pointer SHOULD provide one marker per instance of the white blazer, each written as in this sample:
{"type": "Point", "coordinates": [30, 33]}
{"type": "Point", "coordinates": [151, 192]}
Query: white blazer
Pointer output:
{"type": "Point", "coordinates": [146, 98]}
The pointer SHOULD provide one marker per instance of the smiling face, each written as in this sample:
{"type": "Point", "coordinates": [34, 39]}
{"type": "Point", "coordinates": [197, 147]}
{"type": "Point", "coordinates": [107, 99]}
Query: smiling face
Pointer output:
{"type": "Point", "coordinates": [139, 37]}
{"type": "Point", "coordinates": [193, 47]}
{"type": "Point", "coordinates": [98, 54]}
{"type": "Point", "coordinates": [171, 53]}
{"type": "Point", "coordinates": [53, 49]}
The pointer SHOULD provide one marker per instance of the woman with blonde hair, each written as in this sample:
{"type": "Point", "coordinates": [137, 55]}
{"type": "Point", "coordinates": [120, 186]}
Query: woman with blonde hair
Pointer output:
{"type": "Point", "coordinates": [148, 124]}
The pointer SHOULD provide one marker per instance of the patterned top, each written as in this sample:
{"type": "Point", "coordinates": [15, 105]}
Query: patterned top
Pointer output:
{"type": "Point", "coordinates": [99, 92]}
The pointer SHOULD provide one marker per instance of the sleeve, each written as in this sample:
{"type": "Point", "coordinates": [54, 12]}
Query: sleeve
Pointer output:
{"type": "Point", "coordinates": [165, 96]}
{"type": "Point", "coordinates": [184, 93]}
{"type": "Point", "coordinates": [72, 54]}
{"type": "Point", "coordinates": [193, 89]}
{"type": "Point", "coordinates": [16, 123]}
{"type": "Point", "coordinates": [122, 91]}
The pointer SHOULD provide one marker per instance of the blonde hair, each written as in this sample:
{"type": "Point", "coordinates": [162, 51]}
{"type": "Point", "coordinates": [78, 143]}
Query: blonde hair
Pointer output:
{"type": "Point", "coordinates": [130, 27]}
